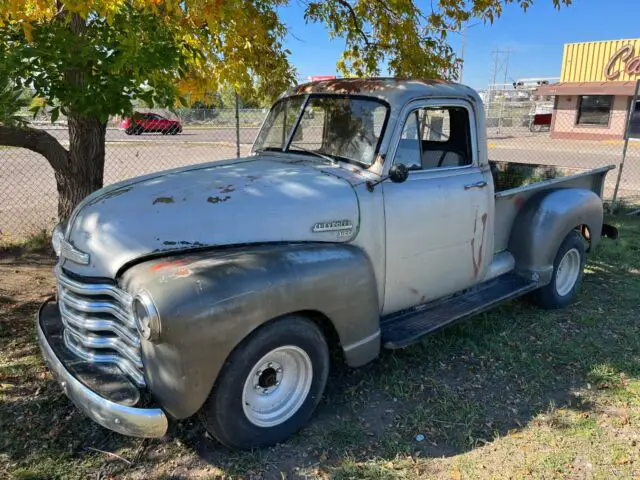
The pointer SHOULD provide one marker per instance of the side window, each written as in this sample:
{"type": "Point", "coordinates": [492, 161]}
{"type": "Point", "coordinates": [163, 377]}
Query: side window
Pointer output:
{"type": "Point", "coordinates": [435, 138]}
{"type": "Point", "coordinates": [408, 151]}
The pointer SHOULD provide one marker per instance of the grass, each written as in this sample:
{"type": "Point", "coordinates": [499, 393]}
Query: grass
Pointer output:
{"type": "Point", "coordinates": [39, 242]}
{"type": "Point", "coordinates": [513, 393]}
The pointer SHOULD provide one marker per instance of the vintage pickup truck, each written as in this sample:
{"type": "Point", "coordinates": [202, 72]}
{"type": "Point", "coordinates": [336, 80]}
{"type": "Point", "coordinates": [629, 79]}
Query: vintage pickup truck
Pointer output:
{"type": "Point", "coordinates": [367, 216]}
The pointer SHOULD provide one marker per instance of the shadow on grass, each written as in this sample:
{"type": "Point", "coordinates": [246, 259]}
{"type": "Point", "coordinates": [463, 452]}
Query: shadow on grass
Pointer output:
{"type": "Point", "coordinates": [457, 390]}
{"type": "Point", "coordinates": [474, 382]}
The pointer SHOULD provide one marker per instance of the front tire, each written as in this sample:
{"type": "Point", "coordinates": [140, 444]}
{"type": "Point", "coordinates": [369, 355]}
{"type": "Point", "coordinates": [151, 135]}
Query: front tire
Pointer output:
{"type": "Point", "coordinates": [568, 268]}
{"type": "Point", "coordinates": [270, 386]}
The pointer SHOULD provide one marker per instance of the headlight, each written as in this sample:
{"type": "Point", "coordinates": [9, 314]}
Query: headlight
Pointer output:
{"type": "Point", "coordinates": [146, 315]}
{"type": "Point", "coordinates": [57, 237]}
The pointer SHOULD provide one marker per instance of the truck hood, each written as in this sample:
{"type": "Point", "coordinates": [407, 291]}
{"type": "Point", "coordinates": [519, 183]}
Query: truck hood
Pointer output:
{"type": "Point", "coordinates": [263, 198]}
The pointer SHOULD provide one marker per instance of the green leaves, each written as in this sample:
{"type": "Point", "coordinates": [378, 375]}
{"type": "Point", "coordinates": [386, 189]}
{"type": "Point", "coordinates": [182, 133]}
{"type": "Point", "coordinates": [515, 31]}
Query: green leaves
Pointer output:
{"type": "Point", "coordinates": [55, 113]}
{"type": "Point", "coordinates": [411, 38]}
{"type": "Point", "coordinates": [101, 57]}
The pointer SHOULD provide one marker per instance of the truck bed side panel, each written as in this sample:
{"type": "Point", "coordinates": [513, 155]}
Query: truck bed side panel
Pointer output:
{"type": "Point", "coordinates": [526, 181]}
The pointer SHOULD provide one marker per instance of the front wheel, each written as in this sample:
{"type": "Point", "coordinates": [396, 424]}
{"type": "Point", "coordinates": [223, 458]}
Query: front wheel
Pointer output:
{"type": "Point", "coordinates": [270, 385]}
{"type": "Point", "coordinates": [568, 268]}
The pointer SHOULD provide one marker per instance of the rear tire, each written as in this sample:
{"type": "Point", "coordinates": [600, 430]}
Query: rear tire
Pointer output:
{"type": "Point", "coordinates": [270, 385]}
{"type": "Point", "coordinates": [568, 268]}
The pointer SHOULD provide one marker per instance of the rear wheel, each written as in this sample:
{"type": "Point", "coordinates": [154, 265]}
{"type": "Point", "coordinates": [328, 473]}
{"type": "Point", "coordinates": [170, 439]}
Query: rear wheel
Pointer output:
{"type": "Point", "coordinates": [568, 268]}
{"type": "Point", "coordinates": [270, 385]}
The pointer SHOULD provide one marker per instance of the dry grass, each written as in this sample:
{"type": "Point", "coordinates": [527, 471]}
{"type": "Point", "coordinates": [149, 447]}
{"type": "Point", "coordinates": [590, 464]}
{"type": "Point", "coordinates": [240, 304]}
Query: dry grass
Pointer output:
{"type": "Point", "coordinates": [515, 393]}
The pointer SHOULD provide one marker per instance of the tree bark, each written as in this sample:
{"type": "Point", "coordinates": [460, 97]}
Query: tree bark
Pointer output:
{"type": "Point", "coordinates": [36, 140]}
{"type": "Point", "coordinates": [84, 172]}
{"type": "Point", "coordinates": [86, 145]}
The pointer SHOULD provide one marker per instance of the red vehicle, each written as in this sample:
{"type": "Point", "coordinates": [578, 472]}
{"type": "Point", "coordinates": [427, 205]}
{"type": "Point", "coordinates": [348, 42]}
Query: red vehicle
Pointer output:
{"type": "Point", "coordinates": [141, 123]}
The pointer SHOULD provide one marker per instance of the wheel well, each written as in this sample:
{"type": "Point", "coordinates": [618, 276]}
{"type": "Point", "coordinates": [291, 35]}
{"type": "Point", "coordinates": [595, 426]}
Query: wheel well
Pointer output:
{"type": "Point", "coordinates": [328, 330]}
{"type": "Point", "coordinates": [585, 233]}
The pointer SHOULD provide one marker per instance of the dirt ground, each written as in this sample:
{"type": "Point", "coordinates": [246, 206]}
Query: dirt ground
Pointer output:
{"type": "Point", "coordinates": [515, 393]}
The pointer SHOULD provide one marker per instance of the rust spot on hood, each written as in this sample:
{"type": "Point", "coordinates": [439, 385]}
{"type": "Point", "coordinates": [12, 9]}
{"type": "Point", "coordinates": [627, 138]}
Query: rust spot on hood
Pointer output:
{"type": "Point", "coordinates": [218, 199]}
{"type": "Point", "coordinates": [163, 200]}
{"type": "Point", "coordinates": [168, 264]}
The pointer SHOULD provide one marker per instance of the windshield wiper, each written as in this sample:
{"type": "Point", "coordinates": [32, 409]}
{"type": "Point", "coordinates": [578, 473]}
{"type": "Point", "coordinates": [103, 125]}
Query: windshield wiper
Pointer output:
{"type": "Point", "coordinates": [313, 152]}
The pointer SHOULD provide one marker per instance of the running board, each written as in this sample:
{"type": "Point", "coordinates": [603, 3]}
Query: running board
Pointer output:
{"type": "Point", "coordinates": [408, 326]}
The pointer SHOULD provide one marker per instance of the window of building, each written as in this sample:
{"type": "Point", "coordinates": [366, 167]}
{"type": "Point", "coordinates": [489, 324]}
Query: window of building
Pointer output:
{"type": "Point", "coordinates": [634, 125]}
{"type": "Point", "coordinates": [594, 109]}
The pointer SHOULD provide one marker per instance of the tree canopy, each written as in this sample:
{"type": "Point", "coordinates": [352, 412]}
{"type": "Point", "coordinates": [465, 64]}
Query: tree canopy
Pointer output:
{"type": "Point", "coordinates": [89, 59]}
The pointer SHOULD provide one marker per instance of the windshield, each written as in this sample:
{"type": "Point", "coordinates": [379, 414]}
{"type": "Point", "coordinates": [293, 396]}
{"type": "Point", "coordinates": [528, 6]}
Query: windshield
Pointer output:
{"type": "Point", "coordinates": [342, 128]}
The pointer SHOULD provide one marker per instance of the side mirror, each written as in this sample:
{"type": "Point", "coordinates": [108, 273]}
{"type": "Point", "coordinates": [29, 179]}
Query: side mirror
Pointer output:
{"type": "Point", "coordinates": [398, 173]}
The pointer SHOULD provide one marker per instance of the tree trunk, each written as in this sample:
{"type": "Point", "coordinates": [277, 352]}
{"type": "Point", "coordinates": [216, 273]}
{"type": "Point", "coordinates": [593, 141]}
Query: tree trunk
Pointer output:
{"type": "Point", "coordinates": [84, 171]}
{"type": "Point", "coordinates": [79, 171]}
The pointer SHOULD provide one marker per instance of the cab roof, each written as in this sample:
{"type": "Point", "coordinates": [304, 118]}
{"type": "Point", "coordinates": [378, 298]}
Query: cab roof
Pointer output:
{"type": "Point", "coordinates": [393, 90]}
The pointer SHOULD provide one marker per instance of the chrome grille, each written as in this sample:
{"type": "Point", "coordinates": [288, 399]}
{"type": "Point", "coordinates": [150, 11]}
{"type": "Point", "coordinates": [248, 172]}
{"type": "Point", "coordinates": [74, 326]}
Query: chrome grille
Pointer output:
{"type": "Point", "coordinates": [99, 325]}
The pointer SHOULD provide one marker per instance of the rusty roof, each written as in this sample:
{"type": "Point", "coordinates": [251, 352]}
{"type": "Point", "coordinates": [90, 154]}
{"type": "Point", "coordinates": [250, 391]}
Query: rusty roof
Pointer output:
{"type": "Point", "coordinates": [386, 88]}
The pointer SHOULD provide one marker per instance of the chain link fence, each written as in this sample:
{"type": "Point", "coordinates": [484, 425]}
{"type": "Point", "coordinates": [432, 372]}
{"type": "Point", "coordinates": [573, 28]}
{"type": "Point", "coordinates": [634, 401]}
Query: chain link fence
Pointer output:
{"type": "Point", "coordinates": [153, 140]}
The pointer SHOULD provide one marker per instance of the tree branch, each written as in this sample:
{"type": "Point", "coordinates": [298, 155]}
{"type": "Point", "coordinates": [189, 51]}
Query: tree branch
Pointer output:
{"type": "Point", "coordinates": [354, 19]}
{"type": "Point", "coordinates": [36, 140]}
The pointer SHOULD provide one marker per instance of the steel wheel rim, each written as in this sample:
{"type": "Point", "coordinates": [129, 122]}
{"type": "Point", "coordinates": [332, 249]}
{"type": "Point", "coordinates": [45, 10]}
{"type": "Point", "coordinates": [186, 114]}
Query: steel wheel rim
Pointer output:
{"type": "Point", "coordinates": [277, 386]}
{"type": "Point", "coordinates": [568, 272]}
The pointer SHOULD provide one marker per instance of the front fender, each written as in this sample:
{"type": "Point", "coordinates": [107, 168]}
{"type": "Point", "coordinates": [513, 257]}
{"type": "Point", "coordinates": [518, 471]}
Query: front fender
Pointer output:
{"type": "Point", "coordinates": [543, 223]}
{"type": "Point", "coordinates": [209, 301]}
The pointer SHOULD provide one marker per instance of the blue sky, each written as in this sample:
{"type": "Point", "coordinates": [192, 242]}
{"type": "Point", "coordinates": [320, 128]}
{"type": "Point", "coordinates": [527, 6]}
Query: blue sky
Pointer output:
{"type": "Point", "coordinates": [535, 38]}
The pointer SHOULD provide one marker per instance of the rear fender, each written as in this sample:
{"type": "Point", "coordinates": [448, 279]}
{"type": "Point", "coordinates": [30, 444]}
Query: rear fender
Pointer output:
{"type": "Point", "coordinates": [543, 223]}
{"type": "Point", "coordinates": [209, 301]}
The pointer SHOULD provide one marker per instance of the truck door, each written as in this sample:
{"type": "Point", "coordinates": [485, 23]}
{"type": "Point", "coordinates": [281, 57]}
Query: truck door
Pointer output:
{"type": "Point", "coordinates": [439, 230]}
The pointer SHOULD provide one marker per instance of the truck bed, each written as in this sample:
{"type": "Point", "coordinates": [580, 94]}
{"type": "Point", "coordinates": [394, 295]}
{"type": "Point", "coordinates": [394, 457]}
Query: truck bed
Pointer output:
{"type": "Point", "coordinates": [515, 183]}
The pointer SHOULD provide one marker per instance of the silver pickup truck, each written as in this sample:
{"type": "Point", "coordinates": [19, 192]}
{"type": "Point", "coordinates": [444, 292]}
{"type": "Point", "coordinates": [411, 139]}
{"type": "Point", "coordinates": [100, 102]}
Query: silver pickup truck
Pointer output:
{"type": "Point", "coordinates": [367, 216]}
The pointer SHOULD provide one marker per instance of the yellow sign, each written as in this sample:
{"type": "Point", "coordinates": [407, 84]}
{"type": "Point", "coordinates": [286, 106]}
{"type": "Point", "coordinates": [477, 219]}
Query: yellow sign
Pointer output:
{"type": "Point", "coordinates": [611, 61]}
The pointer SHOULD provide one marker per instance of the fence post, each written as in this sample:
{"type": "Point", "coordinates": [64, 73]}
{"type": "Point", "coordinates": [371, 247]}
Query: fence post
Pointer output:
{"type": "Point", "coordinates": [237, 127]}
{"type": "Point", "coordinates": [632, 106]}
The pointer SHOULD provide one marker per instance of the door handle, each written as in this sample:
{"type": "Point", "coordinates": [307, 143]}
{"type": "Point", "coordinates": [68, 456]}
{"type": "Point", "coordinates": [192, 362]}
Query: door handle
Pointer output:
{"type": "Point", "coordinates": [480, 184]}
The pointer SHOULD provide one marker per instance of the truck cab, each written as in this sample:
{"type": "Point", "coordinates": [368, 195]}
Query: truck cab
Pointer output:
{"type": "Point", "coordinates": [367, 216]}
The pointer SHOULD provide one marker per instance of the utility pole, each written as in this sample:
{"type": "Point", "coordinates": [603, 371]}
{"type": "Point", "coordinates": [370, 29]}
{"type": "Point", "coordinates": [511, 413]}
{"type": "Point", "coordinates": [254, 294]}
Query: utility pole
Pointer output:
{"type": "Point", "coordinates": [463, 44]}
{"type": "Point", "coordinates": [499, 64]}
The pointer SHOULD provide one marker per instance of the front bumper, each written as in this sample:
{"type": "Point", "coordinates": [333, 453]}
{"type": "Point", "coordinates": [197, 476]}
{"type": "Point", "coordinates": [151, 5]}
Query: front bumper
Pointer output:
{"type": "Point", "coordinates": [127, 420]}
